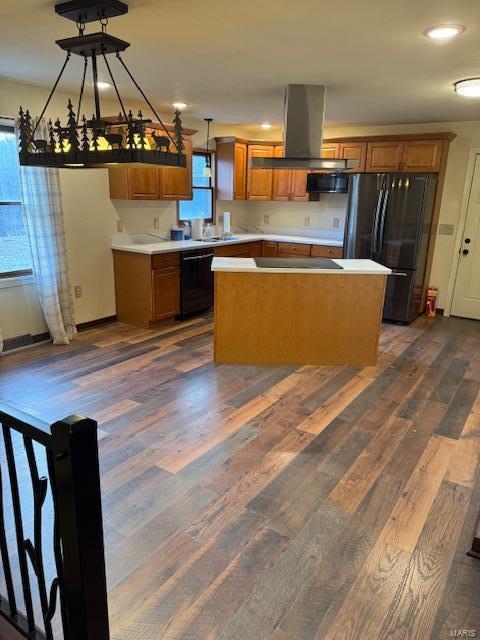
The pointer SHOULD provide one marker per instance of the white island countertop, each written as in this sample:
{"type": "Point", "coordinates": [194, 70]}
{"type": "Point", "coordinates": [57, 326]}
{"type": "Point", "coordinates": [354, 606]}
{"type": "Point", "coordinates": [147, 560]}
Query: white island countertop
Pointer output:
{"type": "Point", "coordinates": [167, 246]}
{"type": "Point", "coordinates": [248, 265]}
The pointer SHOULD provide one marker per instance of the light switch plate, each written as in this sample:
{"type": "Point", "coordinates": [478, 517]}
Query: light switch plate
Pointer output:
{"type": "Point", "coordinates": [336, 223]}
{"type": "Point", "coordinates": [78, 291]}
{"type": "Point", "coordinates": [266, 219]}
{"type": "Point", "coordinates": [119, 226]}
{"type": "Point", "coordinates": [156, 223]}
{"type": "Point", "coordinates": [446, 229]}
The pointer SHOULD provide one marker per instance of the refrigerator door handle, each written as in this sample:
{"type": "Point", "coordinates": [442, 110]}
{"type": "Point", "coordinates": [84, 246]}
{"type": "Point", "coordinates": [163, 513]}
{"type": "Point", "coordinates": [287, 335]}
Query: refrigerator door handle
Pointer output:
{"type": "Point", "coordinates": [373, 251]}
{"type": "Point", "coordinates": [383, 214]}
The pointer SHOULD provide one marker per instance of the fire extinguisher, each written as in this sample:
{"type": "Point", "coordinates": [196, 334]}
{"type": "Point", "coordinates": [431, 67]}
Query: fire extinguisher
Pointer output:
{"type": "Point", "coordinates": [432, 295]}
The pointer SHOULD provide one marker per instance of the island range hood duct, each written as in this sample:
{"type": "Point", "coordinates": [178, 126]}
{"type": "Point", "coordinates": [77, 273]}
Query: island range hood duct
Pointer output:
{"type": "Point", "coordinates": [303, 132]}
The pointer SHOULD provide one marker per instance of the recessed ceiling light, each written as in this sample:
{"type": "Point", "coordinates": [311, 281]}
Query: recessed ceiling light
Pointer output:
{"type": "Point", "coordinates": [469, 87]}
{"type": "Point", "coordinates": [444, 31]}
{"type": "Point", "coordinates": [266, 125]}
{"type": "Point", "coordinates": [103, 85]}
{"type": "Point", "coordinates": [179, 106]}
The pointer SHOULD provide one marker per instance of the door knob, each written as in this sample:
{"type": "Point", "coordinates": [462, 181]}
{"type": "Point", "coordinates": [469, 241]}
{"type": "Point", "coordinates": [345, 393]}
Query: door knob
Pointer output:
{"type": "Point", "coordinates": [465, 252]}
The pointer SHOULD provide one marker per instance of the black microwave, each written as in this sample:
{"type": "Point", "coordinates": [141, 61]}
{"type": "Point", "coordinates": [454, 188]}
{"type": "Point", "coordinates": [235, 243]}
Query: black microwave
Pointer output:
{"type": "Point", "coordinates": [327, 183]}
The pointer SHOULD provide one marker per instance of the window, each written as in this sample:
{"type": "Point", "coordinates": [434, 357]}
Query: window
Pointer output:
{"type": "Point", "coordinates": [201, 205]}
{"type": "Point", "coordinates": [15, 257]}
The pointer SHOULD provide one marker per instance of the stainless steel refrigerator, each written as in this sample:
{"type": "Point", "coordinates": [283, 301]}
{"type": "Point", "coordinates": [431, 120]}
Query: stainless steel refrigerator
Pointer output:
{"type": "Point", "coordinates": [388, 220]}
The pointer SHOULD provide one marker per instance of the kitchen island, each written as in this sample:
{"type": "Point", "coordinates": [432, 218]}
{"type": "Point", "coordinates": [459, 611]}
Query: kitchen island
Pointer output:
{"type": "Point", "coordinates": [297, 315]}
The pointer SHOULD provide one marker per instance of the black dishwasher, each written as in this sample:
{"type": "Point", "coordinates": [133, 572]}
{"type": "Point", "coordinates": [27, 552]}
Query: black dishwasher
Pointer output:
{"type": "Point", "coordinates": [196, 281]}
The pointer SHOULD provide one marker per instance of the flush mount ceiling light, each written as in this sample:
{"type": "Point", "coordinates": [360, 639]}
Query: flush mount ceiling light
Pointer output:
{"type": "Point", "coordinates": [266, 125]}
{"type": "Point", "coordinates": [469, 87]}
{"type": "Point", "coordinates": [179, 106]}
{"type": "Point", "coordinates": [101, 141]}
{"type": "Point", "coordinates": [444, 31]}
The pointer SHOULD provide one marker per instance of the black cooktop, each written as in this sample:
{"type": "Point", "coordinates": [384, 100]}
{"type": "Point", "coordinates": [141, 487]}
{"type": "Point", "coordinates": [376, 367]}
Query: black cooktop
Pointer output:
{"type": "Point", "coordinates": [296, 263]}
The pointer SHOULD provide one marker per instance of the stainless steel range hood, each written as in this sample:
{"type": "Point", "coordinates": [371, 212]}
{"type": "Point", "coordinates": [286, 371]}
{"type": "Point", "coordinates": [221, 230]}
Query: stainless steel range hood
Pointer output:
{"type": "Point", "coordinates": [303, 132]}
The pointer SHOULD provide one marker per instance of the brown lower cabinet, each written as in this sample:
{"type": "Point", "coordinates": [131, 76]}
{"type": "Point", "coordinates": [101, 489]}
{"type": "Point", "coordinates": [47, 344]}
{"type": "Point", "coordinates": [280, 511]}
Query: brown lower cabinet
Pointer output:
{"type": "Point", "coordinates": [325, 251]}
{"type": "Point", "coordinates": [147, 288]}
{"type": "Point", "coordinates": [295, 249]}
{"type": "Point", "coordinates": [269, 249]}
{"type": "Point", "coordinates": [240, 250]}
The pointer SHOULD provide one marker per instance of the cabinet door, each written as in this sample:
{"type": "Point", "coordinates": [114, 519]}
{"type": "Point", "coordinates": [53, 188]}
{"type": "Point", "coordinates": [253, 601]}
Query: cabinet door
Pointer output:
{"type": "Point", "coordinates": [354, 151]}
{"type": "Point", "coordinates": [255, 249]}
{"type": "Point", "coordinates": [422, 155]}
{"type": "Point", "coordinates": [384, 156]}
{"type": "Point", "coordinates": [269, 249]}
{"type": "Point", "coordinates": [259, 181]}
{"type": "Point", "coordinates": [166, 292]}
{"type": "Point", "coordinates": [282, 179]}
{"type": "Point", "coordinates": [330, 150]}
{"type": "Point", "coordinates": [240, 171]}
{"type": "Point", "coordinates": [299, 186]}
{"type": "Point", "coordinates": [176, 182]}
{"type": "Point", "coordinates": [143, 184]}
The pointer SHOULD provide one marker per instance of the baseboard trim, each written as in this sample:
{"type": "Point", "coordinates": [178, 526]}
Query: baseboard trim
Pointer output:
{"type": "Point", "coordinates": [83, 326]}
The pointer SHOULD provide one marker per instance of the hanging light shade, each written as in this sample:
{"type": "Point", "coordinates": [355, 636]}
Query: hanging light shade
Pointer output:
{"type": "Point", "coordinates": [98, 141]}
{"type": "Point", "coordinates": [208, 163]}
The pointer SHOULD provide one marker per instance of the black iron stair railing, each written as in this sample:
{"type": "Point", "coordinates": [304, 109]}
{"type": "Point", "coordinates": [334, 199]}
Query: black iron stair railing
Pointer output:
{"type": "Point", "coordinates": [73, 603]}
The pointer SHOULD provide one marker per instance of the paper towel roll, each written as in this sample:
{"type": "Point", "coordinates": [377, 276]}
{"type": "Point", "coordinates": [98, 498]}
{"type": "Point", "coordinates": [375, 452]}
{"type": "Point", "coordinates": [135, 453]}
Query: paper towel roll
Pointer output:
{"type": "Point", "coordinates": [226, 222]}
{"type": "Point", "coordinates": [197, 228]}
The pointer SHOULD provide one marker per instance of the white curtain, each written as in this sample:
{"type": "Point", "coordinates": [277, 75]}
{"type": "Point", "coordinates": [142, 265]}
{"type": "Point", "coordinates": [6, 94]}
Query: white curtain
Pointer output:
{"type": "Point", "coordinates": [44, 217]}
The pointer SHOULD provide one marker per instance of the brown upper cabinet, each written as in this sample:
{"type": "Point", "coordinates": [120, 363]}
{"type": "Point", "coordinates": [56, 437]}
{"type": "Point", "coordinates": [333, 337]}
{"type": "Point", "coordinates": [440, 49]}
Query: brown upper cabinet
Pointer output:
{"type": "Point", "coordinates": [237, 181]}
{"type": "Point", "coordinates": [259, 181]}
{"type": "Point", "coordinates": [354, 151]}
{"type": "Point", "coordinates": [410, 155]}
{"type": "Point", "coordinates": [330, 149]}
{"type": "Point", "coordinates": [289, 185]}
{"type": "Point", "coordinates": [231, 169]}
{"type": "Point", "coordinates": [153, 183]}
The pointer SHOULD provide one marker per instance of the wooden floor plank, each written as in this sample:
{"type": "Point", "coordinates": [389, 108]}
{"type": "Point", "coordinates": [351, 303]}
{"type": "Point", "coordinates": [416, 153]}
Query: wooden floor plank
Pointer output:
{"type": "Point", "coordinates": [275, 503]}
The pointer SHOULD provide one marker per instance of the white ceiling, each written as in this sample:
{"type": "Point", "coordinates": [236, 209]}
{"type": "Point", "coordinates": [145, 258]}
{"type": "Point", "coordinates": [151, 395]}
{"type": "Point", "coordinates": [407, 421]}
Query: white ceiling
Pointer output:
{"type": "Point", "coordinates": [231, 59]}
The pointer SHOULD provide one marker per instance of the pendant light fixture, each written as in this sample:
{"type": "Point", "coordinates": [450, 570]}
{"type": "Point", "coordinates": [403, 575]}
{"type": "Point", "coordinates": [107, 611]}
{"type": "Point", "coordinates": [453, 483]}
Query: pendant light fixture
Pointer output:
{"type": "Point", "coordinates": [99, 141]}
{"type": "Point", "coordinates": [208, 163]}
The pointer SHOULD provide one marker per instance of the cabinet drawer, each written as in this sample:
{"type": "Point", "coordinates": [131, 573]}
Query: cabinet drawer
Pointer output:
{"type": "Point", "coordinates": [233, 250]}
{"type": "Point", "coordinates": [294, 248]}
{"type": "Point", "coordinates": [324, 251]}
{"type": "Point", "coordinates": [165, 260]}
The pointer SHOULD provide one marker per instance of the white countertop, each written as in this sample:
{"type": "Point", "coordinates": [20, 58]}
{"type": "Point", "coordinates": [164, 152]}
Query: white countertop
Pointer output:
{"type": "Point", "coordinates": [248, 265]}
{"type": "Point", "coordinates": [167, 246]}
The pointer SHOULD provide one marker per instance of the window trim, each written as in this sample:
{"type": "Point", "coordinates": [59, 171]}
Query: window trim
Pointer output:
{"type": "Point", "coordinates": [211, 188]}
{"type": "Point", "coordinates": [9, 124]}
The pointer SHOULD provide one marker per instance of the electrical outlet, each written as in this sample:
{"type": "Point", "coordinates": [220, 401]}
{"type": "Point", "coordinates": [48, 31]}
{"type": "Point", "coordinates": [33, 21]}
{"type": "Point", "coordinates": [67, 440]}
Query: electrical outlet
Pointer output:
{"type": "Point", "coordinates": [156, 223]}
{"type": "Point", "coordinates": [119, 226]}
{"type": "Point", "coordinates": [307, 221]}
{"type": "Point", "coordinates": [266, 219]}
{"type": "Point", "coordinates": [78, 290]}
{"type": "Point", "coordinates": [336, 223]}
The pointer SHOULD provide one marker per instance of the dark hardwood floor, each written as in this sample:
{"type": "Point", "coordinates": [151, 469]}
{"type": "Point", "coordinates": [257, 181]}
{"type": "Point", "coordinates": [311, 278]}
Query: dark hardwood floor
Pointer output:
{"type": "Point", "coordinates": [248, 503]}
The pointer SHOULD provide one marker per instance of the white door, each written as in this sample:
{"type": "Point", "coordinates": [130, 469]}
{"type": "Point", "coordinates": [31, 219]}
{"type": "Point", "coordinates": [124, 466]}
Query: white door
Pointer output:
{"type": "Point", "coordinates": [466, 296]}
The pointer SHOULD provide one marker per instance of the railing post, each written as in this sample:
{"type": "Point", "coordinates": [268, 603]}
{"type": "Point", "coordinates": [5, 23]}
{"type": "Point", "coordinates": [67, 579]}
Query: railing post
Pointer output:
{"type": "Point", "coordinates": [76, 491]}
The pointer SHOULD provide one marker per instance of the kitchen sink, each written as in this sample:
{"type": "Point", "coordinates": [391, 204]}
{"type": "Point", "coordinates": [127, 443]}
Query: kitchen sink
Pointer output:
{"type": "Point", "coordinates": [218, 239]}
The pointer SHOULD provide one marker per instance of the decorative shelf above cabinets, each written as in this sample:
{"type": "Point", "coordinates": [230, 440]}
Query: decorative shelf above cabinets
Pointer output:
{"type": "Point", "coordinates": [154, 183]}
